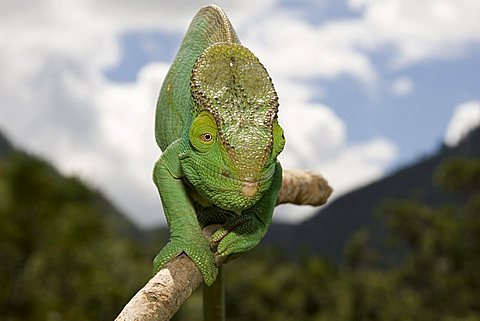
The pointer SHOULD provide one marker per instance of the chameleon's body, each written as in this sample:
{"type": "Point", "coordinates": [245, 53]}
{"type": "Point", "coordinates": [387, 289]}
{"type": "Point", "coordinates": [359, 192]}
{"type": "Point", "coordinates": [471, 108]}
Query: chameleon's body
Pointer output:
{"type": "Point", "coordinates": [216, 123]}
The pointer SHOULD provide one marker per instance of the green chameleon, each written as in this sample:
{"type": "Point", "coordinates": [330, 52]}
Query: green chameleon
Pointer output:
{"type": "Point", "coordinates": [216, 123]}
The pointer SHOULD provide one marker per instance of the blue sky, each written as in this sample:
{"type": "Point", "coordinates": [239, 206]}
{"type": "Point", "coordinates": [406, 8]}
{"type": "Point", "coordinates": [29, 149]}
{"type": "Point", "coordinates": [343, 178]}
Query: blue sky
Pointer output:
{"type": "Point", "coordinates": [365, 86]}
{"type": "Point", "coordinates": [416, 121]}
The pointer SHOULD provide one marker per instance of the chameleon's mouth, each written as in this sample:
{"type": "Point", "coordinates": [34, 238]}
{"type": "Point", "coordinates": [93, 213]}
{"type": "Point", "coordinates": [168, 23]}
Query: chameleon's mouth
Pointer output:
{"type": "Point", "coordinates": [250, 184]}
{"type": "Point", "coordinates": [249, 189]}
{"type": "Point", "coordinates": [222, 186]}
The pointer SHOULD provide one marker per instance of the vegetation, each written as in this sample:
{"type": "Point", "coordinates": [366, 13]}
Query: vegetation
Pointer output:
{"type": "Point", "coordinates": [60, 257]}
{"type": "Point", "coordinates": [63, 258]}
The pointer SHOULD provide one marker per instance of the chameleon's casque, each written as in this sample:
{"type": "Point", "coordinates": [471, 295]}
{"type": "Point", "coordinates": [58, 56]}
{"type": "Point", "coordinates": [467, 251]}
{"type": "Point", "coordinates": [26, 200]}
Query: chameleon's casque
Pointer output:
{"type": "Point", "coordinates": [229, 82]}
{"type": "Point", "coordinates": [216, 123]}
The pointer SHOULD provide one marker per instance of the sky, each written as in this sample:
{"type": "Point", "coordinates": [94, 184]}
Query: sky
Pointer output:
{"type": "Point", "coordinates": [365, 86]}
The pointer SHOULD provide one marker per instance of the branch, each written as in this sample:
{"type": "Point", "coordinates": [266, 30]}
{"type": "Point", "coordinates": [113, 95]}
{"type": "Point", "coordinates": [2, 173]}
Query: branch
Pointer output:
{"type": "Point", "coordinates": [163, 295]}
{"type": "Point", "coordinates": [166, 291]}
{"type": "Point", "coordinates": [303, 188]}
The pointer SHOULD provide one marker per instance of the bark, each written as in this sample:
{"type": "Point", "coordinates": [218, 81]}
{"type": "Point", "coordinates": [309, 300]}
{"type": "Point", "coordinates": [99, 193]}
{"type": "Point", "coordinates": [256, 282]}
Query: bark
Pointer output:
{"type": "Point", "coordinates": [163, 295]}
{"type": "Point", "coordinates": [303, 188]}
{"type": "Point", "coordinates": [166, 291]}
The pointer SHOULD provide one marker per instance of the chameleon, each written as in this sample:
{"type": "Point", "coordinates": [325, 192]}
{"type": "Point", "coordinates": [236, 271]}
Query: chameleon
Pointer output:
{"type": "Point", "coordinates": [217, 125]}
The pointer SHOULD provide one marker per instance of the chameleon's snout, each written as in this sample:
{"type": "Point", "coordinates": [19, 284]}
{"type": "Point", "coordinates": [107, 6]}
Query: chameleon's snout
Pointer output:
{"type": "Point", "coordinates": [249, 189]}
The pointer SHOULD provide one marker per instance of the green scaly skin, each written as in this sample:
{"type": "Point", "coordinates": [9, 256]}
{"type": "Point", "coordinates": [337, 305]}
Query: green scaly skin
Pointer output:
{"type": "Point", "coordinates": [216, 123]}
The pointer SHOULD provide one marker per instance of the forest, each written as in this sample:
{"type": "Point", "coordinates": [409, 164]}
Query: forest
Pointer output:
{"type": "Point", "coordinates": [67, 254]}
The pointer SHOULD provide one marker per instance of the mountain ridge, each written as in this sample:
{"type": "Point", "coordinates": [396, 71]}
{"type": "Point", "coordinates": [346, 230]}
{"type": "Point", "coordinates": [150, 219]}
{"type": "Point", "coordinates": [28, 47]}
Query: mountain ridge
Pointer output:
{"type": "Point", "coordinates": [327, 232]}
{"type": "Point", "coordinates": [116, 218]}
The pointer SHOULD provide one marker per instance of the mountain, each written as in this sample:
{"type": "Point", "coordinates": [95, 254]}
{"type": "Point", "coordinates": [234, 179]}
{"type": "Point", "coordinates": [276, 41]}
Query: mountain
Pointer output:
{"type": "Point", "coordinates": [328, 231]}
{"type": "Point", "coordinates": [5, 147]}
{"type": "Point", "coordinates": [111, 214]}
{"type": "Point", "coordinates": [67, 253]}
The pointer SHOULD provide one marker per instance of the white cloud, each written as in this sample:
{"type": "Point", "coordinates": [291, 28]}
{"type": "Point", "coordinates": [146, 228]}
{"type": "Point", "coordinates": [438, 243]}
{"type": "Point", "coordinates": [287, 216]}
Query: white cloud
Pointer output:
{"type": "Point", "coordinates": [402, 86]}
{"type": "Point", "coordinates": [353, 166]}
{"type": "Point", "coordinates": [466, 116]}
{"type": "Point", "coordinates": [409, 31]}
{"type": "Point", "coordinates": [294, 48]}
{"type": "Point", "coordinates": [126, 121]}
{"type": "Point", "coordinates": [360, 164]}
{"type": "Point", "coordinates": [305, 122]}
{"type": "Point", "coordinates": [418, 30]}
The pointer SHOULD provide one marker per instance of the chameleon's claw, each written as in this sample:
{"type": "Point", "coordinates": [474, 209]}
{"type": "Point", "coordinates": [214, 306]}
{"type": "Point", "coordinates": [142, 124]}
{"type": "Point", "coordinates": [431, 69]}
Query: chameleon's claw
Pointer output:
{"type": "Point", "coordinates": [198, 252]}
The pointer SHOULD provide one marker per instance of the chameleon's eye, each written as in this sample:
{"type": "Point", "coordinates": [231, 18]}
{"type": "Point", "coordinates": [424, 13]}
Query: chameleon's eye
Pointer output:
{"type": "Point", "coordinates": [278, 139]}
{"type": "Point", "coordinates": [203, 132]}
{"type": "Point", "coordinates": [206, 137]}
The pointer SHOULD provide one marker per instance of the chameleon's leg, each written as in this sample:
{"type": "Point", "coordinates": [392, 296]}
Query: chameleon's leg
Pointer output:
{"type": "Point", "coordinates": [242, 233]}
{"type": "Point", "coordinates": [185, 232]}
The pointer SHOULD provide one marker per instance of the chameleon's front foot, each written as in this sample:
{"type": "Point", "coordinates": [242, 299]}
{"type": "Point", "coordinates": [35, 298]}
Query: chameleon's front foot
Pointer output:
{"type": "Point", "coordinates": [198, 250]}
{"type": "Point", "coordinates": [237, 236]}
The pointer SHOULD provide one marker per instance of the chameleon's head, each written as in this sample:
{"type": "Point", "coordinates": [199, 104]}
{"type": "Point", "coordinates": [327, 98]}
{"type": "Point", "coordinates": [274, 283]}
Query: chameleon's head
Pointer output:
{"type": "Point", "coordinates": [234, 136]}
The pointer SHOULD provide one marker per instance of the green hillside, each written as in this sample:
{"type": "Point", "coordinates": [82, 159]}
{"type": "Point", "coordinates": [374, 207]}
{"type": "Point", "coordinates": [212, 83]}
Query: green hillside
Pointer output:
{"type": "Point", "coordinates": [327, 233]}
{"type": "Point", "coordinates": [5, 147]}
{"type": "Point", "coordinates": [66, 252]}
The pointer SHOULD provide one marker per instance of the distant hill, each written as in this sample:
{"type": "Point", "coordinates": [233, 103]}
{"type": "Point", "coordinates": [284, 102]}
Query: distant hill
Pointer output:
{"type": "Point", "coordinates": [114, 217]}
{"type": "Point", "coordinates": [5, 147]}
{"type": "Point", "coordinates": [66, 251]}
{"type": "Point", "coordinates": [327, 232]}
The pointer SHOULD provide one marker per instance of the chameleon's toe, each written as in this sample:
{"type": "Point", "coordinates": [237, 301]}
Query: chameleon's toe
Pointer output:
{"type": "Point", "coordinates": [242, 239]}
{"type": "Point", "coordinates": [198, 251]}
{"type": "Point", "coordinates": [204, 259]}
{"type": "Point", "coordinates": [227, 228]}
{"type": "Point", "coordinates": [236, 244]}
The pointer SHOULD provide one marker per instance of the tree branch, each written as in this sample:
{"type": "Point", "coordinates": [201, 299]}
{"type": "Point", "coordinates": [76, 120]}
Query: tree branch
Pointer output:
{"type": "Point", "coordinates": [303, 188]}
{"type": "Point", "coordinates": [166, 291]}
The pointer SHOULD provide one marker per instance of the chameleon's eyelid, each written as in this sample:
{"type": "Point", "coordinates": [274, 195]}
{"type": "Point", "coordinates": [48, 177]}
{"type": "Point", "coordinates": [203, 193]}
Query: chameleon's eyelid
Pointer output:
{"type": "Point", "coordinates": [203, 132]}
{"type": "Point", "coordinates": [205, 119]}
